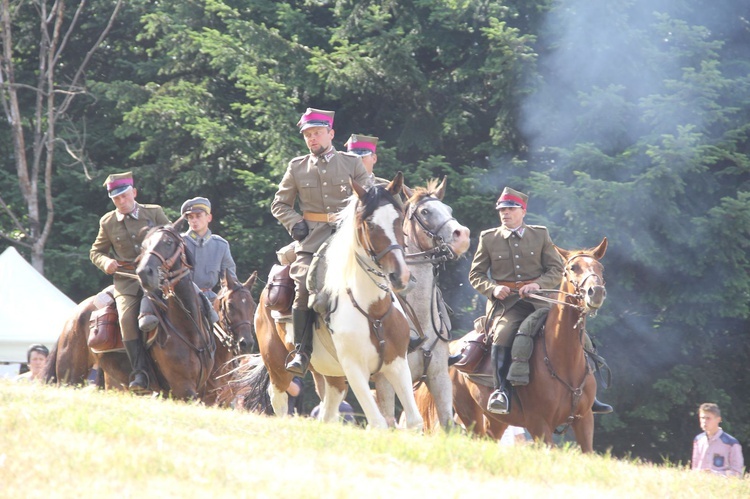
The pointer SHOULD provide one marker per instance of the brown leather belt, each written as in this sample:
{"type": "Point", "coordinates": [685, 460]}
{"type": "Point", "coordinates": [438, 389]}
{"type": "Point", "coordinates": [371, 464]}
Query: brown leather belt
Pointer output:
{"type": "Point", "coordinates": [319, 217]}
{"type": "Point", "coordinates": [515, 285]}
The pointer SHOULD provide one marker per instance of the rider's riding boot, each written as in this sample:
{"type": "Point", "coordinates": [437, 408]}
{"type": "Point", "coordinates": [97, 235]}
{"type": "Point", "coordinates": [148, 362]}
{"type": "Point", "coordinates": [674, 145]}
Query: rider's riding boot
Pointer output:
{"type": "Point", "coordinates": [499, 401]}
{"type": "Point", "coordinates": [147, 321]}
{"type": "Point", "coordinates": [600, 407]}
{"type": "Point", "coordinates": [137, 356]}
{"type": "Point", "coordinates": [208, 308]}
{"type": "Point", "coordinates": [452, 359]}
{"type": "Point", "coordinates": [302, 322]}
{"type": "Point", "coordinates": [415, 343]}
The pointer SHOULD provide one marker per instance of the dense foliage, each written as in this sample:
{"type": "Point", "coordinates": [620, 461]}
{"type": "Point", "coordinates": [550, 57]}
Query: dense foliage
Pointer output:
{"type": "Point", "coordinates": [625, 119]}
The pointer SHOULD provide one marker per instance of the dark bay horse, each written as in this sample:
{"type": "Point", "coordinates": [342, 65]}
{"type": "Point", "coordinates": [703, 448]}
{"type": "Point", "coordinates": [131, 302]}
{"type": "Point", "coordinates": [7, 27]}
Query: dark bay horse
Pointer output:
{"type": "Point", "coordinates": [71, 360]}
{"type": "Point", "coordinates": [367, 331]}
{"type": "Point", "coordinates": [235, 331]}
{"type": "Point", "coordinates": [562, 387]}
{"type": "Point", "coordinates": [433, 236]}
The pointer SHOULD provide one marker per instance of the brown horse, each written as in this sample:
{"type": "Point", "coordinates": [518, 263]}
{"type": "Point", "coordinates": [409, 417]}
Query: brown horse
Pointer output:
{"type": "Point", "coordinates": [182, 355]}
{"type": "Point", "coordinates": [235, 331]}
{"type": "Point", "coordinates": [561, 388]}
{"type": "Point", "coordinates": [367, 330]}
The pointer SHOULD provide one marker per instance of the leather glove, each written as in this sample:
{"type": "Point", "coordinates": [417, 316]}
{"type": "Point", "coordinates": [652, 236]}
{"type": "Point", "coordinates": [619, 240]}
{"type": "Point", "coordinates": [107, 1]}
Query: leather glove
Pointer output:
{"type": "Point", "coordinates": [300, 230]}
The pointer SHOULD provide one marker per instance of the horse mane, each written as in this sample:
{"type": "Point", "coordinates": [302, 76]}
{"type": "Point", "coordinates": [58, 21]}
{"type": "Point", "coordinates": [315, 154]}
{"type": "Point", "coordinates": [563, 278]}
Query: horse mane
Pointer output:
{"type": "Point", "coordinates": [421, 192]}
{"type": "Point", "coordinates": [341, 254]}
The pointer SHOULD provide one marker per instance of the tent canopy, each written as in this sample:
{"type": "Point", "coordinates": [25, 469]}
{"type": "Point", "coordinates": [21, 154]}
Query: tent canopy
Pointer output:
{"type": "Point", "coordinates": [32, 309]}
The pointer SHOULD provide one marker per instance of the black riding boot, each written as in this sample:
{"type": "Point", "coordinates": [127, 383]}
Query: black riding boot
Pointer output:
{"type": "Point", "coordinates": [137, 355]}
{"type": "Point", "coordinates": [302, 321]}
{"type": "Point", "coordinates": [600, 407]}
{"type": "Point", "coordinates": [499, 401]}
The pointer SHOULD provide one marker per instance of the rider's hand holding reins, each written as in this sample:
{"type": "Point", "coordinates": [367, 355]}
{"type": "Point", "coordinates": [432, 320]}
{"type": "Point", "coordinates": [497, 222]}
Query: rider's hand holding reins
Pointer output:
{"type": "Point", "coordinates": [501, 292]}
{"type": "Point", "coordinates": [528, 289]}
{"type": "Point", "coordinates": [111, 267]}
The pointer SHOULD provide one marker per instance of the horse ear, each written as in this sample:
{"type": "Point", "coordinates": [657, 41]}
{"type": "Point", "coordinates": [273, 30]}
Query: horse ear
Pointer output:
{"type": "Point", "coordinates": [251, 281]}
{"type": "Point", "coordinates": [232, 281]}
{"type": "Point", "coordinates": [600, 250]}
{"type": "Point", "coordinates": [441, 189]}
{"type": "Point", "coordinates": [407, 192]}
{"type": "Point", "coordinates": [357, 188]}
{"type": "Point", "coordinates": [397, 184]}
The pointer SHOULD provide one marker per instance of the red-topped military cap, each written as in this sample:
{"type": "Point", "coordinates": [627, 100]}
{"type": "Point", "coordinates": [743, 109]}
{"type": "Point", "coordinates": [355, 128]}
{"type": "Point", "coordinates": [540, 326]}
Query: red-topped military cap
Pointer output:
{"type": "Point", "coordinates": [315, 117]}
{"type": "Point", "coordinates": [511, 198]}
{"type": "Point", "coordinates": [119, 183]}
{"type": "Point", "coordinates": [361, 145]}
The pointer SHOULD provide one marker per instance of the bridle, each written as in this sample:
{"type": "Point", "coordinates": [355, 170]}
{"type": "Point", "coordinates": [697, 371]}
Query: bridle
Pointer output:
{"type": "Point", "coordinates": [440, 251]}
{"type": "Point", "coordinates": [229, 328]}
{"type": "Point", "coordinates": [168, 278]}
{"type": "Point", "coordinates": [364, 240]}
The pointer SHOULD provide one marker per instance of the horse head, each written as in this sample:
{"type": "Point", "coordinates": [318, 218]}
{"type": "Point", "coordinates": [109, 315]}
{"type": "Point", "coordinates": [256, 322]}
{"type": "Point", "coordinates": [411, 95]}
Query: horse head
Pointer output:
{"type": "Point", "coordinates": [237, 309]}
{"type": "Point", "coordinates": [380, 228]}
{"type": "Point", "coordinates": [162, 261]}
{"type": "Point", "coordinates": [586, 275]}
{"type": "Point", "coordinates": [430, 223]}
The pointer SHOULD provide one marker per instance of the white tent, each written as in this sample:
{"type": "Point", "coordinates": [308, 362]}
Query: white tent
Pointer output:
{"type": "Point", "coordinates": [32, 309]}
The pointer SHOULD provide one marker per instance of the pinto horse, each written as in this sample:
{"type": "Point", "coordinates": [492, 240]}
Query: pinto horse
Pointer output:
{"type": "Point", "coordinates": [433, 236]}
{"type": "Point", "coordinates": [366, 331]}
{"type": "Point", "coordinates": [561, 387]}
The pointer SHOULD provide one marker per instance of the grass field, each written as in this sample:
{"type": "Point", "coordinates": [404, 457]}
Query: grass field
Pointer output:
{"type": "Point", "coordinates": [63, 442]}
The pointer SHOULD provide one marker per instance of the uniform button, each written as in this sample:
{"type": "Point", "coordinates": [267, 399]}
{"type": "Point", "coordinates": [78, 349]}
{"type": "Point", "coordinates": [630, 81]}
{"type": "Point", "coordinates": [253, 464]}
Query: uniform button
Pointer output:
{"type": "Point", "coordinates": [532, 252]}
{"type": "Point", "coordinates": [117, 238]}
{"type": "Point", "coordinates": [518, 276]}
{"type": "Point", "coordinates": [517, 256]}
{"type": "Point", "coordinates": [516, 245]}
{"type": "Point", "coordinates": [325, 183]}
{"type": "Point", "coordinates": [518, 267]}
{"type": "Point", "coordinates": [325, 195]}
{"type": "Point", "coordinates": [322, 171]}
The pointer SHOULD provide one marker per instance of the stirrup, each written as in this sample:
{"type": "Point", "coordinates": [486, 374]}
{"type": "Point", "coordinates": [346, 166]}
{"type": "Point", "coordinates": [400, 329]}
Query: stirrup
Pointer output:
{"type": "Point", "coordinates": [498, 402]}
{"type": "Point", "coordinates": [299, 362]}
{"type": "Point", "coordinates": [137, 386]}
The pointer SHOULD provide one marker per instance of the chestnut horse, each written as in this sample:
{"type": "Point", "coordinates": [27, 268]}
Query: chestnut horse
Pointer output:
{"type": "Point", "coordinates": [367, 331]}
{"type": "Point", "coordinates": [561, 387]}
{"type": "Point", "coordinates": [433, 237]}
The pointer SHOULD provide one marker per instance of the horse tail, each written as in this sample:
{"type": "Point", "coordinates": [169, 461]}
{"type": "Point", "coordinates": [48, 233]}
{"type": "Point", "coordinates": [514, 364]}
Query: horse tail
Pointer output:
{"type": "Point", "coordinates": [257, 398]}
{"type": "Point", "coordinates": [50, 367]}
{"type": "Point", "coordinates": [427, 408]}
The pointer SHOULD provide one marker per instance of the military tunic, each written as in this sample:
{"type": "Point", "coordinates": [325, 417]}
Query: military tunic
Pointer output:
{"type": "Point", "coordinates": [320, 184]}
{"type": "Point", "coordinates": [121, 240]}
{"type": "Point", "coordinates": [210, 256]}
{"type": "Point", "coordinates": [504, 256]}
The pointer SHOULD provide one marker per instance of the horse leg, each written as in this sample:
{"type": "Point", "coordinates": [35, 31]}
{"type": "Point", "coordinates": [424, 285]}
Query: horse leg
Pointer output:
{"type": "Point", "coordinates": [279, 400]}
{"type": "Point", "coordinates": [386, 398]}
{"type": "Point", "coordinates": [440, 387]}
{"type": "Point", "coordinates": [397, 372]}
{"type": "Point", "coordinates": [333, 394]}
{"type": "Point", "coordinates": [584, 431]}
{"type": "Point", "coordinates": [359, 381]}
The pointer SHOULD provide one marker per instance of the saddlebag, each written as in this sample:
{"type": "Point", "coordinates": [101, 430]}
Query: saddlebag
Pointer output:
{"type": "Point", "coordinates": [280, 289]}
{"type": "Point", "coordinates": [104, 330]}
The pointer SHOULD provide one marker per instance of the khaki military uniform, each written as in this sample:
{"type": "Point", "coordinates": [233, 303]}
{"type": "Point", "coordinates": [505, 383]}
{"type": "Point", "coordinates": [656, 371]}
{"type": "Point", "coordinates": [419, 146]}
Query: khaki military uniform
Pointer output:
{"type": "Point", "coordinates": [121, 240]}
{"type": "Point", "coordinates": [504, 257]}
{"type": "Point", "coordinates": [320, 185]}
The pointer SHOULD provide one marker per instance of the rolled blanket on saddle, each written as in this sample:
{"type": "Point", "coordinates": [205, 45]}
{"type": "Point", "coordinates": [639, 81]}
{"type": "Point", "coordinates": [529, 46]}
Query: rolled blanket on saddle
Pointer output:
{"type": "Point", "coordinates": [523, 347]}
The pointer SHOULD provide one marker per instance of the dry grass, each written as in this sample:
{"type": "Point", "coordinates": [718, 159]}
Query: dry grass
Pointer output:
{"type": "Point", "coordinates": [57, 442]}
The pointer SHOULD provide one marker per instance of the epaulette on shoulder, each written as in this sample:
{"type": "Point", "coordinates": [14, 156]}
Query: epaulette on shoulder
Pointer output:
{"type": "Point", "coordinates": [728, 439]}
{"type": "Point", "coordinates": [219, 238]}
{"type": "Point", "coordinates": [347, 153]}
{"type": "Point", "coordinates": [107, 216]}
{"type": "Point", "coordinates": [488, 231]}
{"type": "Point", "coordinates": [299, 159]}
{"type": "Point", "coordinates": [150, 206]}
{"type": "Point", "coordinates": [537, 227]}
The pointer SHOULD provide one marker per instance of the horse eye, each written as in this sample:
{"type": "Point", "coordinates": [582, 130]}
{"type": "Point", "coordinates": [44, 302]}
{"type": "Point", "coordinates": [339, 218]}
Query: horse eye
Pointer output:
{"type": "Point", "coordinates": [424, 212]}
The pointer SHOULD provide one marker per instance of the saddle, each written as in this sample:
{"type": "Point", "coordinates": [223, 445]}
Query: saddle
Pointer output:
{"type": "Point", "coordinates": [280, 289]}
{"type": "Point", "coordinates": [476, 346]}
{"type": "Point", "coordinates": [104, 330]}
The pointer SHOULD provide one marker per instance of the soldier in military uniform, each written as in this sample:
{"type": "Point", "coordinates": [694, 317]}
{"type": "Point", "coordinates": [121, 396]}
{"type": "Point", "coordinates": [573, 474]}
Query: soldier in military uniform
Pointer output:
{"type": "Point", "coordinates": [209, 255]}
{"type": "Point", "coordinates": [512, 261]}
{"type": "Point", "coordinates": [116, 247]}
{"type": "Point", "coordinates": [319, 183]}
